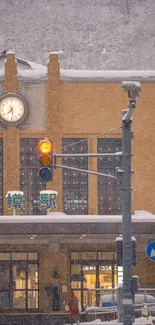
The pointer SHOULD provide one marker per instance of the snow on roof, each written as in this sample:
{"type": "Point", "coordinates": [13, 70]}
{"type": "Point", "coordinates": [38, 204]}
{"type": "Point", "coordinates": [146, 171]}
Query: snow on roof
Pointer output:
{"type": "Point", "coordinates": [10, 52]}
{"type": "Point", "coordinates": [59, 217]}
{"type": "Point", "coordinates": [37, 71]}
{"type": "Point", "coordinates": [102, 75]}
{"type": "Point", "coordinates": [31, 73]}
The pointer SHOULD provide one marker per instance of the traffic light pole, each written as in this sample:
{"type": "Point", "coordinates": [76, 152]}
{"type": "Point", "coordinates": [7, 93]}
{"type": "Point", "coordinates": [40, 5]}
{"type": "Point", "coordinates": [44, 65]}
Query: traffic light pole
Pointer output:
{"type": "Point", "coordinates": [132, 89]}
{"type": "Point", "coordinates": [126, 224]}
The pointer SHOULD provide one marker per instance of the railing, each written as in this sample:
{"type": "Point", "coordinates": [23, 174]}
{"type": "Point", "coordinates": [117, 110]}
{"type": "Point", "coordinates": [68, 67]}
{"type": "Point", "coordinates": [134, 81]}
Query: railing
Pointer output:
{"type": "Point", "coordinates": [143, 305]}
{"type": "Point", "coordinates": [95, 294]}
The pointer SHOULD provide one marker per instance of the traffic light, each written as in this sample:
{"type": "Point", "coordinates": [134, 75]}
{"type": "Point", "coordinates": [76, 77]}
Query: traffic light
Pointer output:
{"type": "Point", "coordinates": [45, 149]}
{"type": "Point", "coordinates": [119, 251]}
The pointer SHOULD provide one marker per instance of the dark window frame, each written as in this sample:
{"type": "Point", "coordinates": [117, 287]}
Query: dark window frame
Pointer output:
{"type": "Point", "coordinates": [74, 183]}
{"type": "Point", "coordinates": [109, 189]}
{"type": "Point", "coordinates": [13, 262]}
{"type": "Point", "coordinates": [29, 175]}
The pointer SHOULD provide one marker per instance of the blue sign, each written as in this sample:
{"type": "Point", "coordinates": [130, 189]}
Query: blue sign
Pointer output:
{"type": "Point", "coordinates": [150, 251]}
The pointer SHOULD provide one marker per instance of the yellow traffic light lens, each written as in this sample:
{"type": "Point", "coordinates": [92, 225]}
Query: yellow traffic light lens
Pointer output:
{"type": "Point", "coordinates": [45, 147]}
{"type": "Point", "coordinates": [45, 160]}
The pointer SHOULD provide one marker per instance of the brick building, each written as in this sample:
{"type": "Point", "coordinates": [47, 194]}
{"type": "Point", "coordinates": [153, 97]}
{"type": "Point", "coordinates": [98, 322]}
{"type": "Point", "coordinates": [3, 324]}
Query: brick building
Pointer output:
{"type": "Point", "coordinates": [80, 111]}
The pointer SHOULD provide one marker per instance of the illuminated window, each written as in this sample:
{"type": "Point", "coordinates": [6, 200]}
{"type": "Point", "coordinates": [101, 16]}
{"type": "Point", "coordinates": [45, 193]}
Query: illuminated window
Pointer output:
{"type": "Point", "coordinates": [109, 189]}
{"type": "Point", "coordinates": [75, 184]}
{"type": "Point", "coordinates": [30, 182]}
{"type": "Point", "coordinates": [91, 271]}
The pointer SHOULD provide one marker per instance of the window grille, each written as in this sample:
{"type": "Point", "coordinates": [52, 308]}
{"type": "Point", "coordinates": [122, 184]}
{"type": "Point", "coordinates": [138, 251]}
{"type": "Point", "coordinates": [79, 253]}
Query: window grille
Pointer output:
{"type": "Point", "coordinates": [75, 184]}
{"type": "Point", "coordinates": [109, 189]}
{"type": "Point", "coordinates": [30, 182]}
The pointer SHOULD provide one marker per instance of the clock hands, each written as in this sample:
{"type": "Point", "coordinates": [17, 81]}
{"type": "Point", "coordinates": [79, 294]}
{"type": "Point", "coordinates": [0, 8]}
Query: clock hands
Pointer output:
{"type": "Point", "coordinates": [11, 111]}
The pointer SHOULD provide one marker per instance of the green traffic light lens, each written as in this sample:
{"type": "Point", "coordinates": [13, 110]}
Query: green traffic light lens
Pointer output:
{"type": "Point", "coordinates": [45, 173]}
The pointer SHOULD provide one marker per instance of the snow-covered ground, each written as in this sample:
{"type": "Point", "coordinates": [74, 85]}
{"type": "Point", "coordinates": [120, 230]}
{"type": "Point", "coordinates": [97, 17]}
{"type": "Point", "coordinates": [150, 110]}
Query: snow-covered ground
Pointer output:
{"type": "Point", "coordinates": [140, 320]}
{"type": "Point", "coordinates": [89, 34]}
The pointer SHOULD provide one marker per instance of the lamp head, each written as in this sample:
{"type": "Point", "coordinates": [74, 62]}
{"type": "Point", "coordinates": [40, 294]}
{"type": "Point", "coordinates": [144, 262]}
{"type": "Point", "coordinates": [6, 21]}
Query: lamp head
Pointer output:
{"type": "Point", "coordinates": [132, 88]}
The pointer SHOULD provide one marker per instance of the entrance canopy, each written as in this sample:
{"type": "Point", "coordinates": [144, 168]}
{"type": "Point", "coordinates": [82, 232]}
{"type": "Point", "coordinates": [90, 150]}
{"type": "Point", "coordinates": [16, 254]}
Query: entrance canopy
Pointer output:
{"type": "Point", "coordinates": [62, 224]}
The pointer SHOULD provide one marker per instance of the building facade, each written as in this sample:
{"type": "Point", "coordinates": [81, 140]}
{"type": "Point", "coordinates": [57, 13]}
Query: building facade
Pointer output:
{"type": "Point", "coordinates": [80, 111]}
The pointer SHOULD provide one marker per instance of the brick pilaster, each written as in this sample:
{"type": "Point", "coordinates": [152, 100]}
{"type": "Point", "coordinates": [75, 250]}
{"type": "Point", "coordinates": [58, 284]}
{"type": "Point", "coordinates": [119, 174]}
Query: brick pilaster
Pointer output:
{"type": "Point", "coordinates": [11, 164]}
{"type": "Point", "coordinates": [10, 84]}
{"type": "Point", "coordinates": [54, 119]}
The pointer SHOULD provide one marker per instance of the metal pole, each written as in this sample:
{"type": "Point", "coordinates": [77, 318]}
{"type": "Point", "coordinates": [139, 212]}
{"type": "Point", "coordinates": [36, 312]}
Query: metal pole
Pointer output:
{"type": "Point", "coordinates": [84, 171]}
{"type": "Point", "coordinates": [71, 155]}
{"type": "Point", "coordinates": [126, 214]}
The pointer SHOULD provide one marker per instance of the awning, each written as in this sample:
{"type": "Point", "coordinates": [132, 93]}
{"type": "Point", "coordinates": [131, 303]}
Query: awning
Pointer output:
{"type": "Point", "coordinates": [59, 223]}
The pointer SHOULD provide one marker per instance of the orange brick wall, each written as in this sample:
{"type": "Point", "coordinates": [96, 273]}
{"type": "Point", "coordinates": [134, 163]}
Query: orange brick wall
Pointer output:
{"type": "Point", "coordinates": [83, 110]}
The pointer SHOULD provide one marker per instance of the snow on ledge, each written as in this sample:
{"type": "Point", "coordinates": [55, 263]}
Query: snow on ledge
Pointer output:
{"type": "Point", "coordinates": [59, 217]}
{"type": "Point", "coordinates": [39, 71]}
{"type": "Point", "coordinates": [2, 72]}
{"type": "Point", "coordinates": [143, 212]}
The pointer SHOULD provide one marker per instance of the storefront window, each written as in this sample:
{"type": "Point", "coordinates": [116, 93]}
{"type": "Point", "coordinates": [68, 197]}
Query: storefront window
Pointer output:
{"type": "Point", "coordinates": [4, 256]}
{"type": "Point", "coordinates": [19, 256]}
{"type": "Point", "coordinates": [19, 299]}
{"type": "Point", "coordinates": [19, 280]}
{"type": "Point", "coordinates": [89, 255]}
{"type": "Point", "coordinates": [92, 273]}
{"type": "Point", "coordinates": [75, 276]}
{"type": "Point", "coordinates": [106, 255]}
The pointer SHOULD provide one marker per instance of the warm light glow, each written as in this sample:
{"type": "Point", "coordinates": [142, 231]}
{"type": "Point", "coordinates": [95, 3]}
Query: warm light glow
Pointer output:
{"type": "Point", "coordinates": [45, 146]}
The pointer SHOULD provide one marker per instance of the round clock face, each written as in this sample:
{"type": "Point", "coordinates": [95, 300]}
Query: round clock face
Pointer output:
{"type": "Point", "coordinates": [11, 109]}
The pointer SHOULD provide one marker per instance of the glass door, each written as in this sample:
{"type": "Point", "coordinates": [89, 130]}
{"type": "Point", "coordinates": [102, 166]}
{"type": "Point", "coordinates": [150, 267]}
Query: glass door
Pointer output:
{"type": "Point", "coordinates": [25, 286]}
{"type": "Point", "coordinates": [89, 273]}
{"type": "Point", "coordinates": [19, 280]}
{"type": "Point", "coordinates": [32, 286]}
{"type": "Point", "coordinates": [19, 286]}
{"type": "Point", "coordinates": [92, 275]}
{"type": "Point", "coordinates": [87, 278]}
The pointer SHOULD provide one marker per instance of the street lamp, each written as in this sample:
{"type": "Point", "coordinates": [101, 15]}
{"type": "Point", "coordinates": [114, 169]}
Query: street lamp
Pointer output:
{"type": "Point", "coordinates": [132, 89]}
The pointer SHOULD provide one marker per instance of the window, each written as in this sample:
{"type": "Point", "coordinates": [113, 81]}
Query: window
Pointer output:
{"type": "Point", "coordinates": [109, 189]}
{"type": "Point", "coordinates": [1, 177]}
{"type": "Point", "coordinates": [30, 182]}
{"type": "Point", "coordinates": [90, 271]}
{"type": "Point", "coordinates": [19, 280]}
{"type": "Point", "coordinates": [75, 184]}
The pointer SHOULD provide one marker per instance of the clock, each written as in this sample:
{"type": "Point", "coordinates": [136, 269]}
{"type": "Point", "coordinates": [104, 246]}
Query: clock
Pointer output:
{"type": "Point", "coordinates": [13, 109]}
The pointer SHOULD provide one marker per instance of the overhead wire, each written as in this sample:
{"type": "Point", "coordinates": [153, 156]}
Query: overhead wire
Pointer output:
{"type": "Point", "coordinates": [89, 138]}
